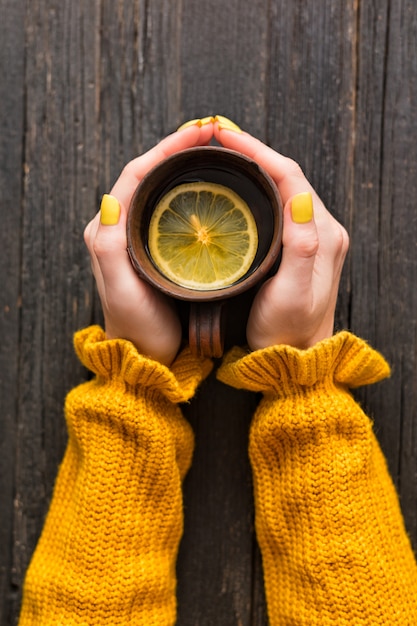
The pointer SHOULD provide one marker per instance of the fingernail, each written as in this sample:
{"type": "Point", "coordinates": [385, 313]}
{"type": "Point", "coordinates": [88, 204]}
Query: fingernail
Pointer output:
{"type": "Point", "coordinates": [109, 210]}
{"type": "Point", "coordinates": [302, 208]}
{"type": "Point", "coordinates": [225, 124]}
{"type": "Point", "coordinates": [196, 122]}
{"type": "Point", "coordinates": [207, 120]}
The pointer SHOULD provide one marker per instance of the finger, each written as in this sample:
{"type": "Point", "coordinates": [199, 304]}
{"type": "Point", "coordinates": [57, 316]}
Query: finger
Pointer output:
{"type": "Point", "coordinates": [98, 238]}
{"type": "Point", "coordinates": [300, 244]}
{"type": "Point", "coordinates": [136, 169]}
{"type": "Point", "coordinates": [289, 294]}
{"type": "Point", "coordinates": [109, 242]}
{"type": "Point", "coordinates": [286, 173]}
{"type": "Point", "coordinates": [309, 251]}
{"type": "Point", "coordinates": [90, 232]}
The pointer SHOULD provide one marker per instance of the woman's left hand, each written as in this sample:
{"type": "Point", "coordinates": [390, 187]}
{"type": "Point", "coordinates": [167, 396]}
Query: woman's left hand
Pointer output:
{"type": "Point", "coordinates": [132, 309]}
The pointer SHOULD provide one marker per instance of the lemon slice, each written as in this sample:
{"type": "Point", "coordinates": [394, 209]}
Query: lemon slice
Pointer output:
{"type": "Point", "coordinates": [202, 236]}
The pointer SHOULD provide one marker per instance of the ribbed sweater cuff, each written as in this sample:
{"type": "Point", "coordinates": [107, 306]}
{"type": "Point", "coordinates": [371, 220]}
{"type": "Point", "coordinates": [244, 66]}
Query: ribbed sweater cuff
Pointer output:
{"type": "Point", "coordinates": [119, 362]}
{"type": "Point", "coordinates": [283, 370]}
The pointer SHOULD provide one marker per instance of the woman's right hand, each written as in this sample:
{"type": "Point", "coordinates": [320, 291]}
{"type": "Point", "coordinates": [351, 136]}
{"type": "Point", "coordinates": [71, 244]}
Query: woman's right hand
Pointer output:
{"type": "Point", "coordinates": [296, 306]}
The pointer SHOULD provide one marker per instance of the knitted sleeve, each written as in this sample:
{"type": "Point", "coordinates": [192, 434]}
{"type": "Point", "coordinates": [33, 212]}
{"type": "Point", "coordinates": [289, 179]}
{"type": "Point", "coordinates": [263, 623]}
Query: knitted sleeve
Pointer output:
{"type": "Point", "coordinates": [334, 547]}
{"type": "Point", "coordinates": [108, 548]}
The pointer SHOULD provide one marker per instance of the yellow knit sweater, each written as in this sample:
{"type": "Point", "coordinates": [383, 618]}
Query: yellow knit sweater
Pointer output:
{"type": "Point", "coordinates": [108, 548]}
{"type": "Point", "coordinates": [329, 526]}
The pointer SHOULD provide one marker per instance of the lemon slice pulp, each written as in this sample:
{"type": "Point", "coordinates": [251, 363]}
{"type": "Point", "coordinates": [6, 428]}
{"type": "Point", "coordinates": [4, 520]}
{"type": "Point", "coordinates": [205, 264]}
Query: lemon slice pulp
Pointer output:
{"type": "Point", "coordinates": [202, 236]}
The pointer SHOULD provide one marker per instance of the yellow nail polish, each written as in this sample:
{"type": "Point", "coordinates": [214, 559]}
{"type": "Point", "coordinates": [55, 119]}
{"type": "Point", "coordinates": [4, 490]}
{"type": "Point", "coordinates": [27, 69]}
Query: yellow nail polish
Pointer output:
{"type": "Point", "coordinates": [109, 210]}
{"type": "Point", "coordinates": [196, 122]}
{"type": "Point", "coordinates": [207, 120]}
{"type": "Point", "coordinates": [225, 124]}
{"type": "Point", "coordinates": [302, 208]}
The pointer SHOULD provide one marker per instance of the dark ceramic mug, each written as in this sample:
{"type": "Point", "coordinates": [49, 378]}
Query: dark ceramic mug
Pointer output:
{"type": "Point", "coordinates": [254, 185]}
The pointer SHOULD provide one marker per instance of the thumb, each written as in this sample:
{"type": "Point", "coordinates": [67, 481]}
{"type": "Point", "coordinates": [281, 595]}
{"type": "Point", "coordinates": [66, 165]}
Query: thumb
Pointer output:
{"type": "Point", "coordinates": [110, 240]}
{"type": "Point", "coordinates": [113, 271]}
{"type": "Point", "coordinates": [300, 243]}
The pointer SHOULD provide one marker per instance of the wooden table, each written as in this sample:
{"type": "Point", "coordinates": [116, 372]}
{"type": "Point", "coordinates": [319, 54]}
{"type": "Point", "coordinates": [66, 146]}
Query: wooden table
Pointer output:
{"type": "Point", "coordinates": [88, 85]}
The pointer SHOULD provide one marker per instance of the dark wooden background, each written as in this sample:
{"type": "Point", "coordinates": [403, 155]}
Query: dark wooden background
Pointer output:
{"type": "Point", "coordinates": [85, 86]}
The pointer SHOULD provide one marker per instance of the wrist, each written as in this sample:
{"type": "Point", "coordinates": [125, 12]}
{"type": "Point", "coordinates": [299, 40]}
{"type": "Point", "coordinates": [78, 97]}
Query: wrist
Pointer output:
{"type": "Point", "coordinates": [160, 348]}
{"type": "Point", "coordinates": [294, 333]}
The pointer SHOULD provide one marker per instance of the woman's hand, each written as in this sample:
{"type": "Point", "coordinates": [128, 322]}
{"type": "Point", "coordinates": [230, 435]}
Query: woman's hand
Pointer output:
{"type": "Point", "coordinates": [132, 309]}
{"type": "Point", "coordinates": [296, 306]}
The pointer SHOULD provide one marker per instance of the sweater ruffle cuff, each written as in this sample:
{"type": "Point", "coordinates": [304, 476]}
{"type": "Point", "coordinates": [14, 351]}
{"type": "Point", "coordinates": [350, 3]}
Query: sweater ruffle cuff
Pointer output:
{"type": "Point", "coordinates": [118, 360]}
{"type": "Point", "coordinates": [282, 370]}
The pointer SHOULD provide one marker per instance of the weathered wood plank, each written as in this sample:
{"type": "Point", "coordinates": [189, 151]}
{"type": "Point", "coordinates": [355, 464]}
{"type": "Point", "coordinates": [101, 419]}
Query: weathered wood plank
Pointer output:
{"type": "Point", "coordinates": [215, 563]}
{"type": "Point", "coordinates": [11, 157]}
{"type": "Point", "coordinates": [139, 80]}
{"type": "Point", "coordinates": [312, 94]}
{"type": "Point", "coordinates": [224, 61]}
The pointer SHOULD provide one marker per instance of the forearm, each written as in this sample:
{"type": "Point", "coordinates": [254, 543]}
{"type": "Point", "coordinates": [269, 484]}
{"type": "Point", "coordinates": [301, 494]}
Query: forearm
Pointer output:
{"type": "Point", "coordinates": [328, 522]}
{"type": "Point", "coordinates": [108, 549]}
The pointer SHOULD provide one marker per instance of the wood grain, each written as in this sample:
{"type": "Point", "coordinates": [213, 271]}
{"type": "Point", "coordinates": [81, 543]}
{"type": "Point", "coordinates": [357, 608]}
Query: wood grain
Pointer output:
{"type": "Point", "coordinates": [11, 163]}
{"type": "Point", "coordinates": [86, 87]}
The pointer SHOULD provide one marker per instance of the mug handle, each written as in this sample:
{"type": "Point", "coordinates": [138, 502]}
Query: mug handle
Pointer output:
{"type": "Point", "coordinates": [206, 329]}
